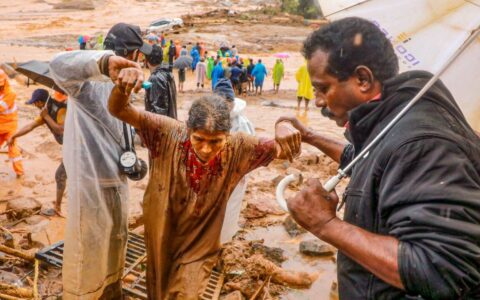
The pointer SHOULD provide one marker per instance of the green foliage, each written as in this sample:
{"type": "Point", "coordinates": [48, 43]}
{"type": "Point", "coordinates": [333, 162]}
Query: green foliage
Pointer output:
{"type": "Point", "coordinates": [308, 9]}
{"type": "Point", "coordinates": [305, 8]}
{"type": "Point", "coordinates": [290, 6]}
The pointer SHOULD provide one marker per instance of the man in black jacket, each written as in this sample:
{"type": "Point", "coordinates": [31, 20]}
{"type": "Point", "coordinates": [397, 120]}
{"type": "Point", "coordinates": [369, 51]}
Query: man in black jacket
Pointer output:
{"type": "Point", "coordinates": [161, 97]}
{"type": "Point", "coordinates": [411, 228]}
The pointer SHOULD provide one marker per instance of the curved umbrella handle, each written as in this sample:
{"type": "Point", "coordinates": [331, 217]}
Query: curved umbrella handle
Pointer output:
{"type": "Point", "coordinates": [282, 185]}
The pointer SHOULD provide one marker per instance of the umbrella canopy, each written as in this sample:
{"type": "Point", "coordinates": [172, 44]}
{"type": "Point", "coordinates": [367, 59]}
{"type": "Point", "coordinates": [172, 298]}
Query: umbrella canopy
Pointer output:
{"type": "Point", "coordinates": [281, 55]}
{"type": "Point", "coordinates": [183, 62]}
{"type": "Point", "coordinates": [224, 45]}
{"type": "Point", "coordinates": [425, 34]}
{"type": "Point", "coordinates": [38, 71]}
{"type": "Point", "coordinates": [152, 37]}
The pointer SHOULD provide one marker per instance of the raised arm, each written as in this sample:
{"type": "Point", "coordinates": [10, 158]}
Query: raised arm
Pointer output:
{"type": "Point", "coordinates": [70, 70]}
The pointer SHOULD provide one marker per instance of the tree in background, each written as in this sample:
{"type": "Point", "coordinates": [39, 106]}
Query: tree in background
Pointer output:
{"type": "Point", "coordinates": [307, 8]}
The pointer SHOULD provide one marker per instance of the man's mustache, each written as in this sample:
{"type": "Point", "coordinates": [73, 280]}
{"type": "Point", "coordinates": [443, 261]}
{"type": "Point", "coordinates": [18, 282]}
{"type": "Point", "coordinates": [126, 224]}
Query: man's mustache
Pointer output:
{"type": "Point", "coordinates": [327, 113]}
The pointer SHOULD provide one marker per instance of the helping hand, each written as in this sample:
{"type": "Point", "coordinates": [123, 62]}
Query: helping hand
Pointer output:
{"type": "Point", "coordinates": [288, 140]}
{"type": "Point", "coordinates": [297, 125]}
{"type": "Point", "coordinates": [116, 64]}
{"type": "Point", "coordinates": [130, 79]}
{"type": "Point", "coordinates": [10, 142]}
{"type": "Point", "coordinates": [313, 207]}
{"type": "Point", "coordinates": [43, 112]}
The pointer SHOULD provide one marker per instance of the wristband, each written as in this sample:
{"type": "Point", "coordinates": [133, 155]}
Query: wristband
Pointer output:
{"type": "Point", "coordinates": [103, 64]}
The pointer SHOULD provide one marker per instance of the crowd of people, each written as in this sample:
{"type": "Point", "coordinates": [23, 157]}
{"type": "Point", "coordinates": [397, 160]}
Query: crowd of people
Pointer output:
{"type": "Point", "coordinates": [412, 209]}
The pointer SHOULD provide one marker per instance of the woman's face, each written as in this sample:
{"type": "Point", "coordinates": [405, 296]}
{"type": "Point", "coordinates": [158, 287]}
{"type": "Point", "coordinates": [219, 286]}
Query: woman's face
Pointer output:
{"type": "Point", "coordinates": [207, 144]}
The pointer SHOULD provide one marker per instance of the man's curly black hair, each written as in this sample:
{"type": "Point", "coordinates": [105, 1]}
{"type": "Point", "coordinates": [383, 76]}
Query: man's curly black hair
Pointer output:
{"type": "Point", "coordinates": [352, 42]}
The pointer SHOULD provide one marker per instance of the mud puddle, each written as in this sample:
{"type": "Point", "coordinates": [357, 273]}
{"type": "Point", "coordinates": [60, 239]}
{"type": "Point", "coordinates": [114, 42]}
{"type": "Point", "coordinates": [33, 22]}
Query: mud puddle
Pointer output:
{"type": "Point", "coordinates": [276, 236]}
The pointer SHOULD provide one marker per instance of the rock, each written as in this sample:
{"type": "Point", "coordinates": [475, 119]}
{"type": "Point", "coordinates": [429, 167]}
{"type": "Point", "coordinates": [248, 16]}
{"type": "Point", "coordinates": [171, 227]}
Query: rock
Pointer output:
{"type": "Point", "coordinates": [22, 207]}
{"type": "Point", "coordinates": [9, 278]}
{"type": "Point", "coordinates": [260, 207]}
{"type": "Point", "coordinates": [237, 295]}
{"type": "Point", "coordinates": [7, 239]}
{"type": "Point", "coordinates": [316, 248]}
{"type": "Point", "coordinates": [34, 220]}
{"type": "Point", "coordinates": [310, 159]}
{"type": "Point", "coordinates": [292, 227]}
{"type": "Point", "coordinates": [272, 253]}
{"type": "Point", "coordinates": [48, 210]}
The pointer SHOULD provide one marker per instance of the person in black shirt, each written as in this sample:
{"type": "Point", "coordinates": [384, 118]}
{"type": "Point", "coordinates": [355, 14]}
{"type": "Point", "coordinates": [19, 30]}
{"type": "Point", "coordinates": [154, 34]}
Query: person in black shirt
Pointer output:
{"type": "Point", "coordinates": [161, 97]}
{"type": "Point", "coordinates": [411, 227]}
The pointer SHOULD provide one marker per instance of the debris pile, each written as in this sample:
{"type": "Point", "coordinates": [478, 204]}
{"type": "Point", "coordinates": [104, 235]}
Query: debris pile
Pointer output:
{"type": "Point", "coordinates": [254, 270]}
{"type": "Point", "coordinates": [267, 15]}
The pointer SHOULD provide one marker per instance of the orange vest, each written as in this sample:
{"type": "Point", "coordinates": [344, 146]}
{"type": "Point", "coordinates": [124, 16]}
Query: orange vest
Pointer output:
{"type": "Point", "coordinates": [8, 109]}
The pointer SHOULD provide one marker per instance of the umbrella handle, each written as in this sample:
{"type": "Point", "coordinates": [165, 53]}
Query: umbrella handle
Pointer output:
{"type": "Point", "coordinates": [283, 184]}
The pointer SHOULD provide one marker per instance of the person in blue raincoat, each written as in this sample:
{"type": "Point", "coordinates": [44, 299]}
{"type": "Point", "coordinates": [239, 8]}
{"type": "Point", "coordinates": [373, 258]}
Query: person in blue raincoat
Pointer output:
{"type": "Point", "coordinates": [196, 57]}
{"type": "Point", "coordinates": [217, 74]}
{"type": "Point", "coordinates": [259, 72]}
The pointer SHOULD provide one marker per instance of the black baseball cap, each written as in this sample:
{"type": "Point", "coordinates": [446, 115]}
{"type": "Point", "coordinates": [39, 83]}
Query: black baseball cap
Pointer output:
{"type": "Point", "coordinates": [123, 38]}
{"type": "Point", "coordinates": [38, 95]}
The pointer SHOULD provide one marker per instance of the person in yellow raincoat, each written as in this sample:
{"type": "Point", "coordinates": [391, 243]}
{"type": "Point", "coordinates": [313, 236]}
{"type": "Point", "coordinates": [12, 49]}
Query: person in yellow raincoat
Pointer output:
{"type": "Point", "coordinates": [305, 89]}
{"type": "Point", "coordinates": [278, 74]}
{"type": "Point", "coordinates": [9, 122]}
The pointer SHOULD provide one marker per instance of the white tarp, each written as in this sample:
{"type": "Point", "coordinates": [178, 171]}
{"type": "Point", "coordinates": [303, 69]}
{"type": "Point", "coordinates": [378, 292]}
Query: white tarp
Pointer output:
{"type": "Point", "coordinates": [425, 33]}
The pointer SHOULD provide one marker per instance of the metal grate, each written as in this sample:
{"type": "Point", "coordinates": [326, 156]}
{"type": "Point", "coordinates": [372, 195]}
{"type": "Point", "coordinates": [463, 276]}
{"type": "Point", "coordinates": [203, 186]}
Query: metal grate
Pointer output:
{"type": "Point", "coordinates": [134, 264]}
{"type": "Point", "coordinates": [214, 286]}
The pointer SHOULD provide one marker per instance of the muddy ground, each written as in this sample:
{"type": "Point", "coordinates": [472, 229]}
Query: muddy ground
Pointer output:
{"type": "Point", "coordinates": [38, 29]}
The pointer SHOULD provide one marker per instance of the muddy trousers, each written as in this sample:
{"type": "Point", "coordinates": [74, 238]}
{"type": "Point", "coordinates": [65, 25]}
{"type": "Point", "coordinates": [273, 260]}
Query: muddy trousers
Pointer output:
{"type": "Point", "coordinates": [13, 152]}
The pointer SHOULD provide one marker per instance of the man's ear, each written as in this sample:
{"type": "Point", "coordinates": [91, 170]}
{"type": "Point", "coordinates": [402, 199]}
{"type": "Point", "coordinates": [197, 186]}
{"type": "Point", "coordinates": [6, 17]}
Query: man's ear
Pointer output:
{"type": "Point", "coordinates": [365, 78]}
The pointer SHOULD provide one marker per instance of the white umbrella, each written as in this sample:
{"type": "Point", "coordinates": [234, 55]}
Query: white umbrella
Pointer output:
{"type": "Point", "coordinates": [425, 34]}
{"type": "Point", "coordinates": [440, 36]}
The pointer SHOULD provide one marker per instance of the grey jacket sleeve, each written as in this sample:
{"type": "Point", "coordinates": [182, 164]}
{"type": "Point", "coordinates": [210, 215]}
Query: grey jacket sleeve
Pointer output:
{"type": "Point", "coordinates": [429, 198]}
{"type": "Point", "coordinates": [70, 70]}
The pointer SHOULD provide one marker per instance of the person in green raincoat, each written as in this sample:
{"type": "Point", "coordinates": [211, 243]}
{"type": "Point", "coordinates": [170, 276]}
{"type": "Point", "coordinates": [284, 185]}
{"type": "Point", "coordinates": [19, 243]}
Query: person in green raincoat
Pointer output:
{"type": "Point", "coordinates": [210, 66]}
{"type": "Point", "coordinates": [278, 73]}
{"type": "Point", "coordinates": [305, 89]}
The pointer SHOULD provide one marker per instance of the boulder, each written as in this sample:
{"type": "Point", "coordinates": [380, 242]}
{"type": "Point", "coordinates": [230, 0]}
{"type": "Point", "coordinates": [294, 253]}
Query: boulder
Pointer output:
{"type": "Point", "coordinates": [272, 253]}
{"type": "Point", "coordinates": [316, 248]}
{"type": "Point", "coordinates": [22, 207]}
{"type": "Point", "coordinates": [9, 278]}
{"type": "Point", "coordinates": [292, 227]}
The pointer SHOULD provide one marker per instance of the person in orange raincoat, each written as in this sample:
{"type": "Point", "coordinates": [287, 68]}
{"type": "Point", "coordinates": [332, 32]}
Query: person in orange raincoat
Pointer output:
{"type": "Point", "coordinates": [9, 122]}
{"type": "Point", "coordinates": [178, 48]}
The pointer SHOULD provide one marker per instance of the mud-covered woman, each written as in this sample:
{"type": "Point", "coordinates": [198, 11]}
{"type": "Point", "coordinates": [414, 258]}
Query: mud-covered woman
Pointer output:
{"type": "Point", "coordinates": [194, 167]}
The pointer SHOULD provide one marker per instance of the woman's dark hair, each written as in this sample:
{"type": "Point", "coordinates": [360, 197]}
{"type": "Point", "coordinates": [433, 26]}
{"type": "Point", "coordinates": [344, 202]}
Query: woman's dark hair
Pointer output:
{"type": "Point", "coordinates": [352, 42]}
{"type": "Point", "coordinates": [209, 113]}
